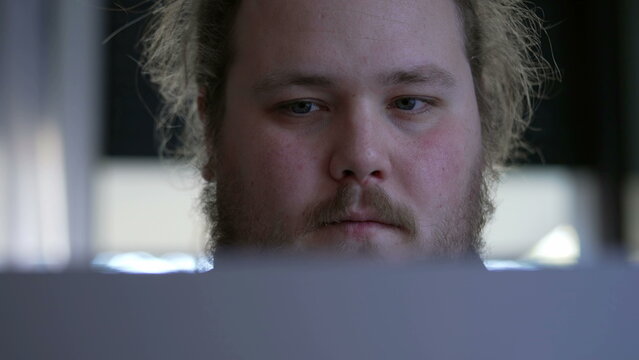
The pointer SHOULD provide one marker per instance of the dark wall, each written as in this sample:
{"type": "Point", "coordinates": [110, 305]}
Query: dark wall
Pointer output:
{"type": "Point", "coordinates": [579, 125]}
{"type": "Point", "coordinates": [131, 102]}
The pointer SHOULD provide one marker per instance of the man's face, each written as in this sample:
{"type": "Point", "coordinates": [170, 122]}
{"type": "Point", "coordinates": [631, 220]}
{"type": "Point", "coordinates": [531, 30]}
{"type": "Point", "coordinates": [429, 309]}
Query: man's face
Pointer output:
{"type": "Point", "coordinates": [350, 126]}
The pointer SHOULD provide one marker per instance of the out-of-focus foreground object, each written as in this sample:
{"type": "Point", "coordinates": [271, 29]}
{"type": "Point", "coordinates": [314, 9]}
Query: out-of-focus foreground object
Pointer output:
{"type": "Point", "coordinates": [50, 98]}
{"type": "Point", "coordinates": [327, 310]}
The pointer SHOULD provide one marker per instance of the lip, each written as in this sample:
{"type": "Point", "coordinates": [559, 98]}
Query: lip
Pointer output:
{"type": "Point", "coordinates": [363, 217]}
{"type": "Point", "coordinates": [358, 230]}
{"type": "Point", "coordinates": [362, 220]}
{"type": "Point", "coordinates": [359, 222]}
{"type": "Point", "coordinates": [361, 225]}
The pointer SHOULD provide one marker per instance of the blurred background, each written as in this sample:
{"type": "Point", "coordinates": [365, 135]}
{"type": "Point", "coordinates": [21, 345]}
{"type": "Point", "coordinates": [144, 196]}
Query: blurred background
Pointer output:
{"type": "Point", "coordinates": [82, 186]}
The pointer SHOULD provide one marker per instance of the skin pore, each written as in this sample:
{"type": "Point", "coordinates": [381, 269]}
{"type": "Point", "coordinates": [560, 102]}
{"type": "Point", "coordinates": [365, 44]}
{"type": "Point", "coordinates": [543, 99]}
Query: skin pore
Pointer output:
{"type": "Point", "coordinates": [350, 127]}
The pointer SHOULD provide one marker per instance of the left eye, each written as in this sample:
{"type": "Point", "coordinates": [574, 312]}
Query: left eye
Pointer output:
{"type": "Point", "coordinates": [300, 107]}
{"type": "Point", "coordinates": [410, 104]}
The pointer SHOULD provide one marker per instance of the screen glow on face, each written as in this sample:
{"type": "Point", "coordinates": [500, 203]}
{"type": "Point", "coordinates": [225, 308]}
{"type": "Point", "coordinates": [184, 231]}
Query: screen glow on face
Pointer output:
{"type": "Point", "coordinates": [330, 117]}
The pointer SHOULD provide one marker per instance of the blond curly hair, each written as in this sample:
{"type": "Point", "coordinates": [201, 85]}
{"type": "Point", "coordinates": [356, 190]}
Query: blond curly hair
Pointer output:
{"type": "Point", "coordinates": [188, 47]}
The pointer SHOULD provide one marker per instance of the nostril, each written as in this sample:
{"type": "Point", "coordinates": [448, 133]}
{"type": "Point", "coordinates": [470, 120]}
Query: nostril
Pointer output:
{"type": "Point", "coordinates": [348, 173]}
{"type": "Point", "coordinates": [351, 174]}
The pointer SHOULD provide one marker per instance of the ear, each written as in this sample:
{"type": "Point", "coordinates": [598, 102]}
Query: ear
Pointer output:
{"type": "Point", "coordinates": [201, 104]}
{"type": "Point", "coordinates": [207, 171]}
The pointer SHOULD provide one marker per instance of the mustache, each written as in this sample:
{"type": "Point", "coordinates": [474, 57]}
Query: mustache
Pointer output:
{"type": "Point", "coordinates": [374, 199]}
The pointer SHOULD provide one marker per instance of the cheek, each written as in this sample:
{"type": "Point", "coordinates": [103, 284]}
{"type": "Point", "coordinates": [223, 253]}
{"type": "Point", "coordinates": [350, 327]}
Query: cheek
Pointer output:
{"type": "Point", "coordinates": [446, 158]}
{"type": "Point", "coordinates": [286, 179]}
{"type": "Point", "coordinates": [274, 167]}
{"type": "Point", "coordinates": [283, 162]}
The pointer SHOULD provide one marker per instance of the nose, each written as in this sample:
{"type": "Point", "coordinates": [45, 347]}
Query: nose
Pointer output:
{"type": "Point", "coordinates": [359, 149]}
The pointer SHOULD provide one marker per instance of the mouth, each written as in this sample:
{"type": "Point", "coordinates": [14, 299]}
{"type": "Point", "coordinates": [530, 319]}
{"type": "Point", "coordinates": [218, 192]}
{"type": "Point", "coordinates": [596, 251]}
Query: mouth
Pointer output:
{"type": "Point", "coordinates": [362, 223]}
{"type": "Point", "coordinates": [361, 211]}
{"type": "Point", "coordinates": [359, 229]}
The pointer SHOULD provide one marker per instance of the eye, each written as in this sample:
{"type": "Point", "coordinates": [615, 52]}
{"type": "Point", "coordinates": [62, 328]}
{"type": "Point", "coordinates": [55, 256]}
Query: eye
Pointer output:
{"type": "Point", "coordinates": [300, 107]}
{"type": "Point", "coordinates": [412, 104]}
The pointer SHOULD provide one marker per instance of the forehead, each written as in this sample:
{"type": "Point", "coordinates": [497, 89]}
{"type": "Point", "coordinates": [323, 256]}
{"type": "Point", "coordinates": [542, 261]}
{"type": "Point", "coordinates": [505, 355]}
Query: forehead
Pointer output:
{"type": "Point", "coordinates": [352, 36]}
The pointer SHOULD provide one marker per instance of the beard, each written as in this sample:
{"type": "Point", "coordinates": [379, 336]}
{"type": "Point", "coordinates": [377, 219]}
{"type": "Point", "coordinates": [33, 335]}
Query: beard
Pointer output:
{"type": "Point", "coordinates": [234, 223]}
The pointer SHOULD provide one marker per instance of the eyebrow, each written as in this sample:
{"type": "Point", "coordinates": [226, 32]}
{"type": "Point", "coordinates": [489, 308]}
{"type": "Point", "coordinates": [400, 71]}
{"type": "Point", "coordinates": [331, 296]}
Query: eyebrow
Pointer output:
{"type": "Point", "coordinates": [426, 74]}
{"type": "Point", "coordinates": [277, 80]}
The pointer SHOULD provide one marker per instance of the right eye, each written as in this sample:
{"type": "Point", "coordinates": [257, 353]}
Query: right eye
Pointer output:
{"type": "Point", "coordinates": [300, 107]}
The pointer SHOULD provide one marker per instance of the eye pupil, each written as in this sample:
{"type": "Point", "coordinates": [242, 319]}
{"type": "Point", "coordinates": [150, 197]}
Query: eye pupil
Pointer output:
{"type": "Point", "coordinates": [301, 107]}
{"type": "Point", "coordinates": [406, 103]}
